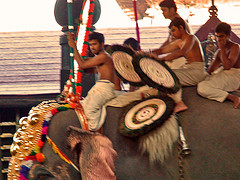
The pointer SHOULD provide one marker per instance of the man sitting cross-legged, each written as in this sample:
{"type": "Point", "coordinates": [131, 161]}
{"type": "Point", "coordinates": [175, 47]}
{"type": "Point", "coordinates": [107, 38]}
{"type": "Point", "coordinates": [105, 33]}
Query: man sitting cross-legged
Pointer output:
{"type": "Point", "coordinates": [217, 85]}
{"type": "Point", "coordinates": [188, 46]}
{"type": "Point", "coordinates": [169, 11]}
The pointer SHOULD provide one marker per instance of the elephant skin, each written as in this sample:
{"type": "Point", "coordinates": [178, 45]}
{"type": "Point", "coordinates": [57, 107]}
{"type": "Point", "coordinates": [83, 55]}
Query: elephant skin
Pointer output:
{"type": "Point", "coordinates": [211, 129]}
{"type": "Point", "coordinates": [91, 152]}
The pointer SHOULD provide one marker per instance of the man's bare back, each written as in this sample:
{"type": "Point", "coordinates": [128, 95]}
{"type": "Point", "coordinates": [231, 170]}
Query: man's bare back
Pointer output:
{"type": "Point", "coordinates": [195, 53]}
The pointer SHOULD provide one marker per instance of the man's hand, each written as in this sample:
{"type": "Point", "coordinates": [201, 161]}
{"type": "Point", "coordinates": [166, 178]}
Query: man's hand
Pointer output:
{"type": "Point", "coordinates": [153, 55]}
{"type": "Point", "coordinates": [71, 40]}
{"type": "Point", "coordinates": [221, 45]}
{"type": "Point", "coordinates": [150, 54]}
{"type": "Point", "coordinates": [143, 53]}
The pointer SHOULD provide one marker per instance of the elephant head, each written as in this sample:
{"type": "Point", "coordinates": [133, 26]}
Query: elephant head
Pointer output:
{"type": "Point", "coordinates": [71, 152]}
{"type": "Point", "coordinates": [91, 153]}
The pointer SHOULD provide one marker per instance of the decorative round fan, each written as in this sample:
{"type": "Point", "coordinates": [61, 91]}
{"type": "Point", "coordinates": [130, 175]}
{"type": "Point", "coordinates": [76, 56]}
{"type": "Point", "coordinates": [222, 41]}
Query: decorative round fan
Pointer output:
{"type": "Point", "coordinates": [122, 60]}
{"type": "Point", "coordinates": [156, 74]}
{"type": "Point", "coordinates": [143, 116]}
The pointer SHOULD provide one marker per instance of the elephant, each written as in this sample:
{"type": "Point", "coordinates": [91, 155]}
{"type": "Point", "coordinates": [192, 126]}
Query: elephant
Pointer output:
{"type": "Point", "coordinates": [211, 130]}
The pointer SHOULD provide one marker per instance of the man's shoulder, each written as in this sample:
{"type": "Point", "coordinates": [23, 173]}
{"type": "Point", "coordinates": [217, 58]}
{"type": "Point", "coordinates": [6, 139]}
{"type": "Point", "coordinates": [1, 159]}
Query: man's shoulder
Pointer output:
{"type": "Point", "coordinates": [194, 37]}
{"type": "Point", "coordinates": [234, 44]}
{"type": "Point", "coordinates": [190, 37]}
{"type": "Point", "coordinates": [105, 56]}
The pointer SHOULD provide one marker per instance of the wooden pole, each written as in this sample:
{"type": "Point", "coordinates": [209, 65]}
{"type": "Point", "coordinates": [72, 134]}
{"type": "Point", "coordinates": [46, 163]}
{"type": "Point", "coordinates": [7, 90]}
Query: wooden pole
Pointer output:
{"type": "Point", "coordinates": [71, 29]}
{"type": "Point", "coordinates": [136, 20]}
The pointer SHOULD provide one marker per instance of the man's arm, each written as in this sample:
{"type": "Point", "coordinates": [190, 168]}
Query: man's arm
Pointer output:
{"type": "Point", "coordinates": [84, 64]}
{"type": "Point", "coordinates": [158, 51]}
{"type": "Point", "coordinates": [171, 47]}
{"type": "Point", "coordinates": [91, 62]}
{"type": "Point", "coordinates": [229, 61]}
{"type": "Point", "coordinates": [180, 52]}
{"type": "Point", "coordinates": [215, 64]}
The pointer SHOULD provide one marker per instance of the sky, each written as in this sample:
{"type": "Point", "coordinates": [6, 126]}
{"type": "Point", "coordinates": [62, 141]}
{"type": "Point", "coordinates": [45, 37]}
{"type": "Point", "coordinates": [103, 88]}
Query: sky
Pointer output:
{"type": "Point", "coordinates": [38, 15]}
{"type": "Point", "coordinates": [34, 15]}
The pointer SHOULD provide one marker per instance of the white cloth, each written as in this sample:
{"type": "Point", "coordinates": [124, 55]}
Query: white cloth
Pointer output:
{"type": "Point", "coordinates": [217, 86]}
{"type": "Point", "coordinates": [191, 74]}
{"type": "Point", "coordinates": [126, 98]}
{"type": "Point", "coordinates": [93, 104]}
{"type": "Point", "coordinates": [191, 70]}
{"type": "Point", "coordinates": [176, 63]}
{"type": "Point", "coordinates": [177, 97]}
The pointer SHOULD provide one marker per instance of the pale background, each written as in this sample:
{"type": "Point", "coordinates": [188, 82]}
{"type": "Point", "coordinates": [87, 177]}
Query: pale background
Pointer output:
{"type": "Point", "coordinates": [38, 15]}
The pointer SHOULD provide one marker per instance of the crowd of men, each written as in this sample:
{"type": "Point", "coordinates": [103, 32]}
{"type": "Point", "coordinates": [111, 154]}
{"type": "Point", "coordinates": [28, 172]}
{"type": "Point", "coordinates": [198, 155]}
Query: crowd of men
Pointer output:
{"type": "Point", "coordinates": [180, 43]}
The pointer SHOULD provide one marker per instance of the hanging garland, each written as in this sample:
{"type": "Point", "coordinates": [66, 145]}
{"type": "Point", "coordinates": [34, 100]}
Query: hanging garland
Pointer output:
{"type": "Point", "coordinates": [83, 29]}
{"type": "Point", "coordinates": [68, 94]}
{"type": "Point", "coordinates": [85, 43]}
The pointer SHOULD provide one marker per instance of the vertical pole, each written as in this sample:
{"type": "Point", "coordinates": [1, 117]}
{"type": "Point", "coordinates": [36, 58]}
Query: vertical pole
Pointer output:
{"type": "Point", "coordinates": [136, 20]}
{"type": "Point", "coordinates": [71, 29]}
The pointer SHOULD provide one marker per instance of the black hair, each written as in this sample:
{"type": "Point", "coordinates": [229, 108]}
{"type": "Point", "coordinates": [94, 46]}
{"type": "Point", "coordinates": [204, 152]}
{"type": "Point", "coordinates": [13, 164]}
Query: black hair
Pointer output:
{"type": "Point", "coordinates": [132, 42]}
{"type": "Point", "coordinates": [96, 36]}
{"type": "Point", "coordinates": [169, 4]}
{"type": "Point", "coordinates": [177, 22]}
{"type": "Point", "coordinates": [223, 27]}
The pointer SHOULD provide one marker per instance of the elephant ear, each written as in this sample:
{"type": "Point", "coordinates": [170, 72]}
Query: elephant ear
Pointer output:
{"type": "Point", "coordinates": [94, 152]}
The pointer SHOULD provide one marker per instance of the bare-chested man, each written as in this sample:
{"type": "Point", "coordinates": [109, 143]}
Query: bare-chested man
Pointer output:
{"type": "Point", "coordinates": [217, 85]}
{"type": "Point", "coordinates": [103, 90]}
{"type": "Point", "coordinates": [188, 46]}
{"type": "Point", "coordinates": [169, 11]}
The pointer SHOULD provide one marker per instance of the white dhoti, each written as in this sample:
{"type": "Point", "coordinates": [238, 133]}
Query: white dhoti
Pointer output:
{"type": "Point", "coordinates": [217, 86]}
{"type": "Point", "coordinates": [127, 98]}
{"type": "Point", "coordinates": [176, 63]}
{"type": "Point", "coordinates": [191, 74]}
{"type": "Point", "coordinates": [93, 104]}
{"type": "Point", "coordinates": [188, 75]}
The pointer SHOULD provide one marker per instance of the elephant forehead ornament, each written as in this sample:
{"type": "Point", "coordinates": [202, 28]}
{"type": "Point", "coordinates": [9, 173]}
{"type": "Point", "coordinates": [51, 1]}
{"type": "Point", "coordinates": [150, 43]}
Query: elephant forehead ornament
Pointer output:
{"type": "Point", "coordinates": [27, 135]}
